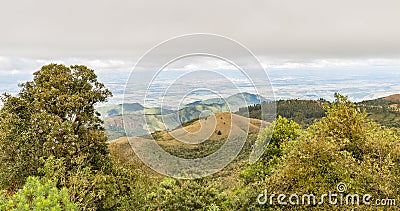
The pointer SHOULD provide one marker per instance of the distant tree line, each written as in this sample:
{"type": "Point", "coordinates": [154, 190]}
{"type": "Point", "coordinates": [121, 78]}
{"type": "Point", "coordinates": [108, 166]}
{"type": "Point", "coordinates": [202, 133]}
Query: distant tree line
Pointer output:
{"type": "Point", "coordinates": [304, 112]}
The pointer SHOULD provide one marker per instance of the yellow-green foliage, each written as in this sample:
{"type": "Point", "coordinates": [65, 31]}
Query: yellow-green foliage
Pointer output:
{"type": "Point", "coordinates": [342, 147]}
{"type": "Point", "coordinates": [274, 137]}
{"type": "Point", "coordinates": [185, 195]}
{"type": "Point", "coordinates": [37, 195]}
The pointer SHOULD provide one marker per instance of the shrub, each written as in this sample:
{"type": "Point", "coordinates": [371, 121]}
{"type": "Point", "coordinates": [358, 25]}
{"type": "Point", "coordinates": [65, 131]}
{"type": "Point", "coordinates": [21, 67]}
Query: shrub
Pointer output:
{"type": "Point", "coordinates": [36, 195]}
{"type": "Point", "coordinates": [275, 137]}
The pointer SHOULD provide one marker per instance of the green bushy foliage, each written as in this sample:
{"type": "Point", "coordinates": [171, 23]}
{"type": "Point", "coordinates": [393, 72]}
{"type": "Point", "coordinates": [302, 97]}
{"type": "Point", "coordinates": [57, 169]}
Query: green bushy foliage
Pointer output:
{"type": "Point", "coordinates": [122, 186]}
{"type": "Point", "coordinates": [275, 137]}
{"type": "Point", "coordinates": [174, 194]}
{"type": "Point", "coordinates": [342, 147]}
{"type": "Point", "coordinates": [53, 115]}
{"type": "Point", "coordinates": [90, 189]}
{"type": "Point", "coordinates": [37, 195]}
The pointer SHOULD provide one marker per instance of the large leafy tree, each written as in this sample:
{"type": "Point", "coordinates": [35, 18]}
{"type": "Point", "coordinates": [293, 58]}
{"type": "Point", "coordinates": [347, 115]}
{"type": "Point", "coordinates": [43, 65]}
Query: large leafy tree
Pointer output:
{"type": "Point", "coordinates": [53, 115]}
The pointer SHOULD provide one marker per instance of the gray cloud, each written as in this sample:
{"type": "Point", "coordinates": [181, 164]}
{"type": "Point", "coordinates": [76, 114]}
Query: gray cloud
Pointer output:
{"type": "Point", "coordinates": [125, 29]}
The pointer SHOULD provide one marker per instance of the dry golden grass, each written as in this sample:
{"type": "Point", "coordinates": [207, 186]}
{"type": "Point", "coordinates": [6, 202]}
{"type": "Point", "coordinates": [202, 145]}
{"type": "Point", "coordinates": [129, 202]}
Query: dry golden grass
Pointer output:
{"type": "Point", "coordinates": [395, 97]}
{"type": "Point", "coordinates": [214, 127]}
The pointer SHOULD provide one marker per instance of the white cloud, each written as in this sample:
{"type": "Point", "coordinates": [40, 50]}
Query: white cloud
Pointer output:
{"type": "Point", "coordinates": [20, 66]}
{"type": "Point", "coordinates": [200, 63]}
{"type": "Point", "coordinates": [13, 65]}
{"type": "Point", "coordinates": [328, 63]}
{"type": "Point", "coordinates": [24, 66]}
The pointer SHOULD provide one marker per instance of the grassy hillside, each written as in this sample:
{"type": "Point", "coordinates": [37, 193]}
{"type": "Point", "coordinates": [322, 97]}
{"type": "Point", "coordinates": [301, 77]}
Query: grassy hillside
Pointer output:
{"type": "Point", "coordinates": [115, 110]}
{"type": "Point", "coordinates": [395, 98]}
{"type": "Point", "coordinates": [130, 108]}
{"type": "Point", "coordinates": [214, 127]}
{"type": "Point", "coordinates": [187, 141]}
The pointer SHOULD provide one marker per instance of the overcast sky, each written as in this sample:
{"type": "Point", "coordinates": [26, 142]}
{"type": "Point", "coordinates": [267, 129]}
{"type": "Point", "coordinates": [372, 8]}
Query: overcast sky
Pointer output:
{"type": "Point", "coordinates": [109, 32]}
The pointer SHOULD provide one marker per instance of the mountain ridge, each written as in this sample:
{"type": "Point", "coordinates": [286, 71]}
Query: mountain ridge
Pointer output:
{"type": "Point", "coordinates": [234, 101]}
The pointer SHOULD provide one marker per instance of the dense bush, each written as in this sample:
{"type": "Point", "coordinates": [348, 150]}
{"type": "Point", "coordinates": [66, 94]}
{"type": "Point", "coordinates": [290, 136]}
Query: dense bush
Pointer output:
{"type": "Point", "coordinates": [37, 195]}
{"type": "Point", "coordinates": [174, 194]}
{"type": "Point", "coordinates": [342, 147]}
{"type": "Point", "coordinates": [275, 136]}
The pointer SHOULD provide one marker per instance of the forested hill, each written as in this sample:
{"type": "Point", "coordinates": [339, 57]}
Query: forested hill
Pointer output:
{"type": "Point", "coordinates": [385, 111]}
{"type": "Point", "coordinates": [304, 112]}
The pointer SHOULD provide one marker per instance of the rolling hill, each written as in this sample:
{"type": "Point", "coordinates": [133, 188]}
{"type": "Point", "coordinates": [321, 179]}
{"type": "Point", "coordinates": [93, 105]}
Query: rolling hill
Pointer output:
{"type": "Point", "coordinates": [385, 111]}
{"type": "Point", "coordinates": [198, 138]}
{"type": "Point", "coordinates": [235, 102]}
{"type": "Point", "coordinates": [304, 112]}
{"type": "Point", "coordinates": [130, 108]}
{"type": "Point", "coordinates": [395, 97]}
{"type": "Point", "coordinates": [156, 117]}
{"type": "Point", "coordinates": [214, 127]}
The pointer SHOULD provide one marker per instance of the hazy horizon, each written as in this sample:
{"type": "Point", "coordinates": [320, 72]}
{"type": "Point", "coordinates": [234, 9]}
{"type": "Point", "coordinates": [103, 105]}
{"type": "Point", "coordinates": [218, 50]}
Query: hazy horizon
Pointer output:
{"type": "Point", "coordinates": [359, 79]}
